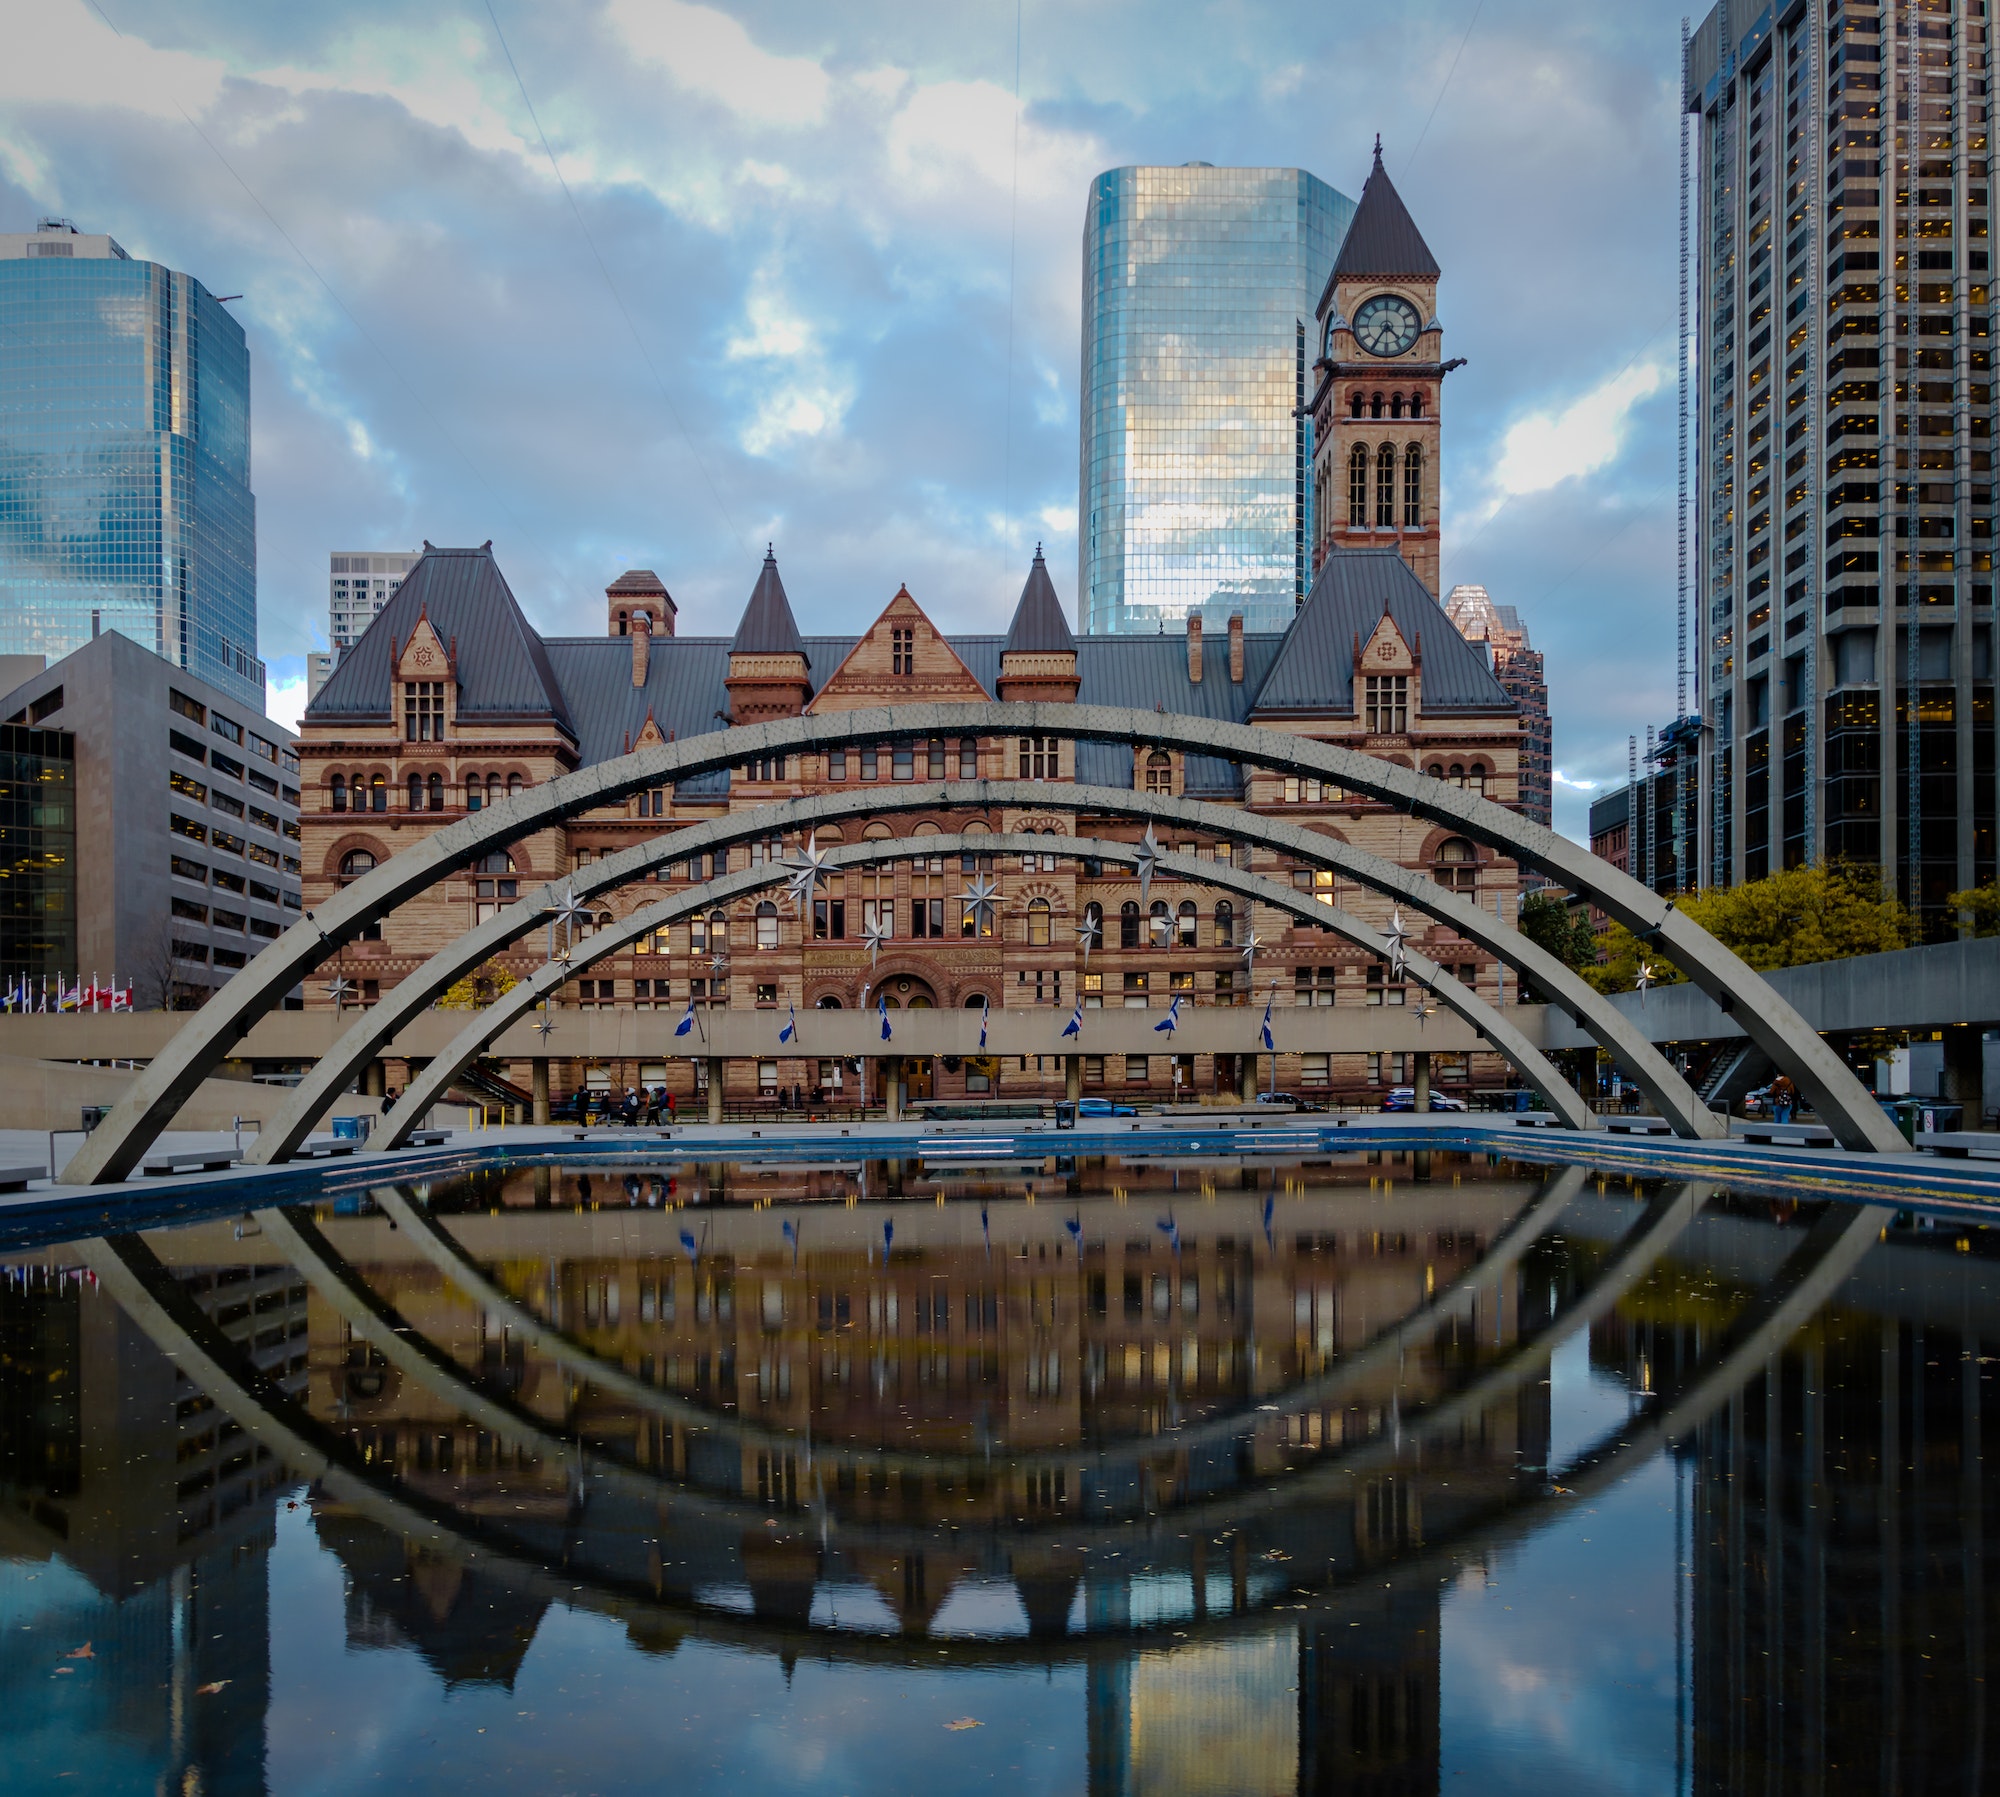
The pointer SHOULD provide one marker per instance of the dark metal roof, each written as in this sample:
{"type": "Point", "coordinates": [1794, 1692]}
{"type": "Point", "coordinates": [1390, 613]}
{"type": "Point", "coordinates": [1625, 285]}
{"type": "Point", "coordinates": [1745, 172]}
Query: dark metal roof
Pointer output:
{"type": "Point", "coordinates": [637, 580]}
{"type": "Point", "coordinates": [1314, 669]}
{"type": "Point", "coordinates": [1039, 627]}
{"type": "Point", "coordinates": [768, 627]}
{"type": "Point", "coordinates": [503, 667]}
{"type": "Point", "coordinates": [1383, 242]}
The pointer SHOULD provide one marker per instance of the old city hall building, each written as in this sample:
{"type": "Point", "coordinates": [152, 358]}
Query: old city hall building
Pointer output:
{"type": "Point", "coordinates": [452, 700]}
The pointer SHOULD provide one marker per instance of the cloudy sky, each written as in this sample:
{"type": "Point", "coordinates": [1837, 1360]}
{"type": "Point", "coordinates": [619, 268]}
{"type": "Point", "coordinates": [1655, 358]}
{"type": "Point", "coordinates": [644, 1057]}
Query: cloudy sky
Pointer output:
{"type": "Point", "coordinates": [812, 275]}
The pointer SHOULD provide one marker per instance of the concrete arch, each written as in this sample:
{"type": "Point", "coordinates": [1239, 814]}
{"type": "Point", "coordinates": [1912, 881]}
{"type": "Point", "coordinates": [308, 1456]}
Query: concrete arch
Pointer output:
{"type": "Point", "coordinates": [1773, 1025]}
{"type": "Point", "coordinates": [1655, 1075]}
{"type": "Point", "coordinates": [429, 1086]}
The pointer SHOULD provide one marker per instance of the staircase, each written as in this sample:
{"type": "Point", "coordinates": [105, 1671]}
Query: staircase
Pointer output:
{"type": "Point", "coordinates": [1736, 1069]}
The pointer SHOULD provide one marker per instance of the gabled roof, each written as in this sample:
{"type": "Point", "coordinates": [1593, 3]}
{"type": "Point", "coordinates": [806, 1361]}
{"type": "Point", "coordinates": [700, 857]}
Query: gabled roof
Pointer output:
{"type": "Point", "coordinates": [637, 580]}
{"type": "Point", "coordinates": [768, 627]}
{"type": "Point", "coordinates": [1039, 627]}
{"type": "Point", "coordinates": [1383, 242]}
{"type": "Point", "coordinates": [1314, 669]}
{"type": "Point", "coordinates": [467, 600]}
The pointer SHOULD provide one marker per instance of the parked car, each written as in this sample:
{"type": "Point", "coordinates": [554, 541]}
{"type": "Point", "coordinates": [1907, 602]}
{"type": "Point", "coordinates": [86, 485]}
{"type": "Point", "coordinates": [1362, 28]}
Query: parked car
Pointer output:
{"type": "Point", "coordinates": [1103, 1107]}
{"type": "Point", "coordinates": [1404, 1098]}
{"type": "Point", "coordinates": [1292, 1101]}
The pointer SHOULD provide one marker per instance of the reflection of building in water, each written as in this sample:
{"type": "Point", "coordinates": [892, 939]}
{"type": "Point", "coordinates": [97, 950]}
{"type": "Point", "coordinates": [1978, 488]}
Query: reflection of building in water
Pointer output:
{"type": "Point", "coordinates": [113, 1462]}
{"type": "Point", "coordinates": [1843, 1613]}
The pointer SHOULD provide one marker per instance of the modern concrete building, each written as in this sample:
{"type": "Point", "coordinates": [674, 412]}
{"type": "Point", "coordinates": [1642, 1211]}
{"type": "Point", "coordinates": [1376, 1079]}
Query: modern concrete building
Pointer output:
{"type": "Point", "coordinates": [1198, 291]}
{"type": "Point", "coordinates": [1843, 437]}
{"type": "Point", "coordinates": [186, 855]}
{"type": "Point", "coordinates": [125, 500]}
{"type": "Point", "coordinates": [1518, 668]}
{"type": "Point", "coordinates": [359, 583]}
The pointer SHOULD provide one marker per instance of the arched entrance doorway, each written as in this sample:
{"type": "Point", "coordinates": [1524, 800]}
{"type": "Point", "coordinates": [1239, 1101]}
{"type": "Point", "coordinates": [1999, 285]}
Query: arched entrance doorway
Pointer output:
{"type": "Point", "coordinates": [911, 992]}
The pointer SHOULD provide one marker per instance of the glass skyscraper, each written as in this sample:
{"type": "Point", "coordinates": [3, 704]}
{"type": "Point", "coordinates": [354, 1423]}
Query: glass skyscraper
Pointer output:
{"type": "Point", "coordinates": [1199, 286]}
{"type": "Point", "coordinates": [125, 498]}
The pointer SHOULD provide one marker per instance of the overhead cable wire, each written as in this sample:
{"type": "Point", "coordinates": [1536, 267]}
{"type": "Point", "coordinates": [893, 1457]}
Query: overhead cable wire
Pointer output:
{"type": "Point", "coordinates": [611, 286]}
{"type": "Point", "coordinates": [1013, 231]}
{"type": "Point", "coordinates": [1410, 162]}
{"type": "Point", "coordinates": [361, 330]}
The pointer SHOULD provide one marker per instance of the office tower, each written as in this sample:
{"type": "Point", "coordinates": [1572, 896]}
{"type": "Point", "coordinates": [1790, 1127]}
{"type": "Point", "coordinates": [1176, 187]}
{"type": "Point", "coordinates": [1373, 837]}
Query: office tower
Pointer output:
{"type": "Point", "coordinates": [1843, 435]}
{"type": "Point", "coordinates": [1518, 668]}
{"type": "Point", "coordinates": [1199, 285]}
{"type": "Point", "coordinates": [358, 584]}
{"type": "Point", "coordinates": [125, 499]}
{"type": "Point", "coordinates": [1378, 389]}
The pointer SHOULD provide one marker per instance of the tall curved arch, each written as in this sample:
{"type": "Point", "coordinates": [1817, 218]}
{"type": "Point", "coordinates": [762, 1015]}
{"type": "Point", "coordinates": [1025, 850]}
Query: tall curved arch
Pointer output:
{"type": "Point", "coordinates": [1771, 1023]}
{"type": "Point", "coordinates": [1670, 1094]}
{"type": "Point", "coordinates": [430, 1085]}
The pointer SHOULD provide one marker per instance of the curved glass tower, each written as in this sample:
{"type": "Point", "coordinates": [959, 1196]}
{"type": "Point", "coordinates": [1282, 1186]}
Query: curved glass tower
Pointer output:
{"type": "Point", "coordinates": [1199, 286]}
{"type": "Point", "coordinates": [125, 498]}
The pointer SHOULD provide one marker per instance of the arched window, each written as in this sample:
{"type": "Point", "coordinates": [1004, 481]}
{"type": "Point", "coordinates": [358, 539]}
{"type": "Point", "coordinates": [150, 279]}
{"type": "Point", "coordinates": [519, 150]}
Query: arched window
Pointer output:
{"type": "Point", "coordinates": [475, 792]}
{"type": "Point", "coordinates": [493, 792]}
{"type": "Point", "coordinates": [1475, 780]}
{"type": "Point", "coordinates": [1225, 924]}
{"type": "Point", "coordinates": [434, 791]}
{"type": "Point", "coordinates": [499, 862]}
{"type": "Point", "coordinates": [1416, 405]}
{"type": "Point", "coordinates": [355, 863]}
{"type": "Point", "coordinates": [1357, 486]}
{"type": "Point", "coordinates": [624, 624]}
{"type": "Point", "coordinates": [416, 792]}
{"type": "Point", "coordinates": [1435, 770]}
{"type": "Point", "coordinates": [936, 771]}
{"type": "Point", "coordinates": [378, 793]}
{"type": "Point", "coordinates": [1456, 865]}
{"type": "Point", "coordinates": [1159, 772]}
{"type": "Point", "coordinates": [1038, 923]}
{"type": "Point", "coordinates": [1413, 486]}
{"type": "Point", "coordinates": [513, 784]}
{"type": "Point", "coordinates": [1128, 924]}
{"type": "Point", "coordinates": [828, 1002]}
{"type": "Point", "coordinates": [767, 925]}
{"type": "Point", "coordinates": [1160, 925]}
{"type": "Point", "coordinates": [1458, 773]}
{"type": "Point", "coordinates": [1354, 404]}
{"type": "Point", "coordinates": [1093, 917]}
{"type": "Point", "coordinates": [1189, 920]}
{"type": "Point", "coordinates": [1395, 405]}
{"type": "Point", "coordinates": [1385, 485]}
{"type": "Point", "coordinates": [337, 792]}
{"type": "Point", "coordinates": [1375, 405]}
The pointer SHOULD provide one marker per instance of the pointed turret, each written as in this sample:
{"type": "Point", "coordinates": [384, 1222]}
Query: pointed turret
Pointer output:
{"type": "Point", "coordinates": [1383, 242]}
{"type": "Point", "coordinates": [769, 672]}
{"type": "Point", "coordinates": [1038, 659]}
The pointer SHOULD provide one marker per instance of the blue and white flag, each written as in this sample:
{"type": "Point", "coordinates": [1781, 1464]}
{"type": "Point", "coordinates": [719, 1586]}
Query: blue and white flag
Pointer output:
{"type": "Point", "coordinates": [790, 1032]}
{"type": "Point", "coordinates": [687, 1020]}
{"type": "Point", "coordinates": [1171, 1230]}
{"type": "Point", "coordinates": [883, 1008]}
{"type": "Point", "coordinates": [888, 1236]}
{"type": "Point", "coordinates": [687, 1242]}
{"type": "Point", "coordinates": [792, 1236]}
{"type": "Point", "coordinates": [1172, 1021]}
{"type": "Point", "coordinates": [1075, 1025]}
{"type": "Point", "coordinates": [982, 1029]}
{"type": "Point", "coordinates": [1270, 1205]}
{"type": "Point", "coordinates": [1075, 1227]}
{"type": "Point", "coordinates": [1270, 1043]}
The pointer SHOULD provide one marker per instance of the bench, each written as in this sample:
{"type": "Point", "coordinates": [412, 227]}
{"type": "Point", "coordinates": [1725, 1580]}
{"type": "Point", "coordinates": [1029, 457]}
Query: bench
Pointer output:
{"type": "Point", "coordinates": [1958, 1144]}
{"type": "Point", "coordinates": [15, 1179]}
{"type": "Point", "coordinates": [1536, 1120]}
{"type": "Point", "coordinates": [325, 1148]}
{"type": "Point", "coordinates": [426, 1138]}
{"type": "Point", "coordinates": [1638, 1126]}
{"type": "Point", "coordinates": [206, 1160]}
{"type": "Point", "coordinates": [1787, 1135]}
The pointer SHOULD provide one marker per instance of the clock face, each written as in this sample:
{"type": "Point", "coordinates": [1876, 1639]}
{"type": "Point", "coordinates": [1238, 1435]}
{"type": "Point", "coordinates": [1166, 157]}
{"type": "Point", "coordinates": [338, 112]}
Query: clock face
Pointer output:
{"type": "Point", "coordinates": [1386, 325]}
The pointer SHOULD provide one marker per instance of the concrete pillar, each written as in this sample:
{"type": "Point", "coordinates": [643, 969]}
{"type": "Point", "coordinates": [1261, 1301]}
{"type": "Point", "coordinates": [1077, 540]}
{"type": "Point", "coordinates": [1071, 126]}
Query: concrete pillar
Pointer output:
{"type": "Point", "coordinates": [1072, 1077]}
{"type": "Point", "coordinates": [1964, 1073]}
{"type": "Point", "coordinates": [715, 1077]}
{"type": "Point", "coordinates": [892, 1088]}
{"type": "Point", "coordinates": [1246, 1078]}
{"type": "Point", "coordinates": [541, 1088]}
{"type": "Point", "coordinates": [375, 1081]}
{"type": "Point", "coordinates": [1421, 1080]}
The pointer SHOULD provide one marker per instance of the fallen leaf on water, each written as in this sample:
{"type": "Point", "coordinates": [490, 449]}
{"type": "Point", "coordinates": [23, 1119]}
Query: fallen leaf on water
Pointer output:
{"type": "Point", "coordinates": [80, 1653]}
{"type": "Point", "coordinates": [64, 1671]}
{"type": "Point", "coordinates": [210, 1690]}
{"type": "Point", "coordinates": [964, 1722]}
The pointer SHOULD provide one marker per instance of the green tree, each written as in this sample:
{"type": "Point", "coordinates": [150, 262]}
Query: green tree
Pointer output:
{"type": "Point", "coordinates": [1983, 903]}
{"type": "Point", "coordinates": [1787, 919]}
{"type": "Point", "coordinates": [1550, 925]}
{"type": "Point", "coordinates": [486, 982]}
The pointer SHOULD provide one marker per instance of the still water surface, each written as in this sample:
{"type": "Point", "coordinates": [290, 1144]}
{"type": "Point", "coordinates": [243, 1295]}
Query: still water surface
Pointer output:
{"type": "Point", "coordinates": [1390, 1474]}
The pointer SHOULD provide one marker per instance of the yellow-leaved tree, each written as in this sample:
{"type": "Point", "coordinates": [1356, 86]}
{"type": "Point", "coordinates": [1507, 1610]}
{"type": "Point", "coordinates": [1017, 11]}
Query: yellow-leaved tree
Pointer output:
{"type": "Point", "coordinates": [1787, 919]}
{"type": "Point", "coordinates": [486, 982]}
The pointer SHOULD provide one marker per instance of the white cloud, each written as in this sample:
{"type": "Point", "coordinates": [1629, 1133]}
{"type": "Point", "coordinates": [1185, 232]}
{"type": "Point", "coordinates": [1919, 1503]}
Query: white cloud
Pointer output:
{"type": "Point", "coordinates": [710, 53]}
{"type": "Point", "coordinates": [1547, 448]}
{"type": "Point", "coordinates": [285, 700]}
{"type": "Point", "coordinates": [1562, 779]}
{"type": "Point", "coordinates": [59, 52]}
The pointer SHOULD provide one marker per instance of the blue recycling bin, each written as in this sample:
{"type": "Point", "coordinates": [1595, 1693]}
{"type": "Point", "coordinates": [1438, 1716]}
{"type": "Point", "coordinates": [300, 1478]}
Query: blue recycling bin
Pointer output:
{"type": "Point", "coordinates": [350, 1129]}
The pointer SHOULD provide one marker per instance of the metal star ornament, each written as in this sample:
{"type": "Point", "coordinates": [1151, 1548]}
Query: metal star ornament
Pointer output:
{"type": "Point", "coordinates": [564, 914]}
{"type": "Point", "coordinates": [1146, 862]}
{"type": "Point", "coordinates": [340, 991]}
{"type": "Point", "coordinates": [807, 868]}
{"type": "Point", "coordinates": [1423, 1009]}
{"type": "Point", "coordinates": [1646, 977]}
{"type": "Point", "coordinates": [1396, 937]}
{"type": "Point", "coordinates": [1163, 931]}
{"type": "Point", "coordinates": [1252, 942]}
{"type": "Point", "coordinates": [544, 1025]}
{"type": "Point", "coordinates": [877, 935]}
{"type": "Point", "coordinates": [979, 898]}
{"type": "Point", "coordinates": [1086, 937]}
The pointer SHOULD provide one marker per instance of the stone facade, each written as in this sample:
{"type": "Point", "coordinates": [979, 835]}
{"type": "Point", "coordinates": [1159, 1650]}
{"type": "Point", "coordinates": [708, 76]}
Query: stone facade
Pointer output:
{"type": "Point", "coordinates": [452, 699]}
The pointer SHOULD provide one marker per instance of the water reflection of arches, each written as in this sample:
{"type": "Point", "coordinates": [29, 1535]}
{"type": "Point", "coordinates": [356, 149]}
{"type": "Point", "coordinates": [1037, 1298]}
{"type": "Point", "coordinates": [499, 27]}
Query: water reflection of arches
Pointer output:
{"type": "Point", "coordinates": [599, 1559]}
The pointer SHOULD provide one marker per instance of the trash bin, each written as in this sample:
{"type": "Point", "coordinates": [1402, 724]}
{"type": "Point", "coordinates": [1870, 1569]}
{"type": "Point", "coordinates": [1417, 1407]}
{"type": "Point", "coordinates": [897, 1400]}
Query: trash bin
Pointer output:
{"type": "Point", "coordinates": [93, 1115]}
{"type": "Point", "coordinates": [1065, 1115]}
{"type": "Point", "coordinates": [1904, 1111]}
{"type": "Point", "coordinates": [350, 1129]}
{"type": "Point", "coordinates": [1936, 1115]}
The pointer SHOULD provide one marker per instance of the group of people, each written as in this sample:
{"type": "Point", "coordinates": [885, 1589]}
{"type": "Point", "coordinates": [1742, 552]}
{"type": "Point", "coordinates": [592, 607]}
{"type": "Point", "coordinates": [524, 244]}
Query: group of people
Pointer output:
{"type": "Point", "coordinates": [634, 1106]}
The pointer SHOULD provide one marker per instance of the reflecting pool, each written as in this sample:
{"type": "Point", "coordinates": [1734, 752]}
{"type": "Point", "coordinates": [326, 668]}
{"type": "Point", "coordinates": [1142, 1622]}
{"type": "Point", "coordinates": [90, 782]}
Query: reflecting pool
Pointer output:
{"type": "Point", "coordinates": [1391, 1473]}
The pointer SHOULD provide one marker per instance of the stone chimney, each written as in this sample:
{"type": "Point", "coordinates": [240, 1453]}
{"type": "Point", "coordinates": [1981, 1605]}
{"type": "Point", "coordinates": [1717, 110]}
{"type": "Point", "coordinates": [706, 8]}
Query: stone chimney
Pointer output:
{"type": "Point", "coordinates": [1236, 648]}
{"type": "Point", "coordinates": [1194, 646]}
{"type": "Point", "coordinates": [642, 646]}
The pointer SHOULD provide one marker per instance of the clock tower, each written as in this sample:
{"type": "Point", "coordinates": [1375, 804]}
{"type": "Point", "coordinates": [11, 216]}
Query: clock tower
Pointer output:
{"type": "Point", "coordinates": [1380, 386]}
